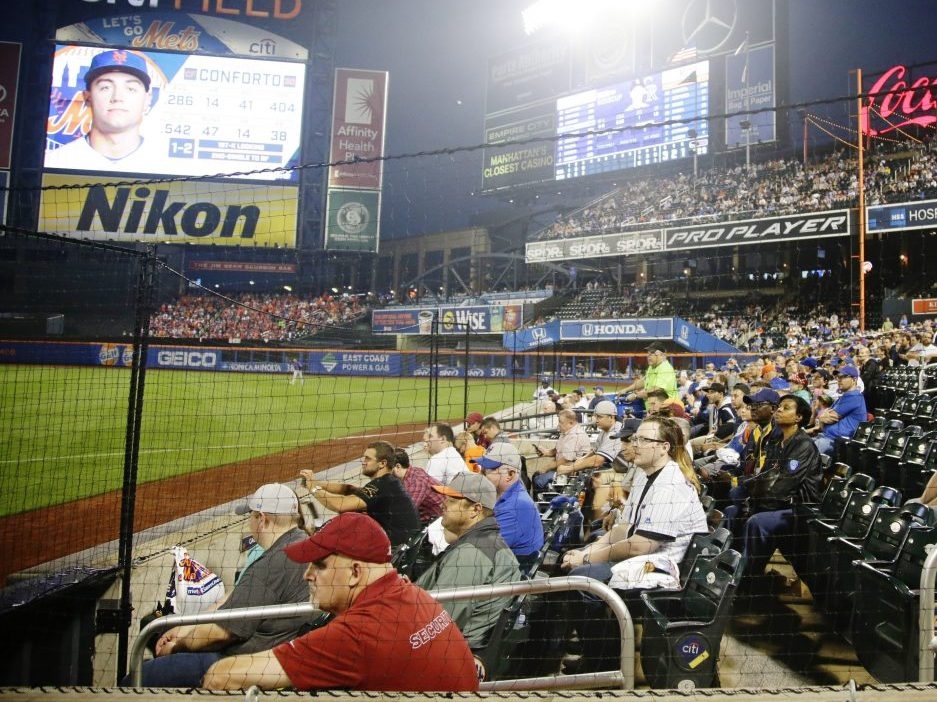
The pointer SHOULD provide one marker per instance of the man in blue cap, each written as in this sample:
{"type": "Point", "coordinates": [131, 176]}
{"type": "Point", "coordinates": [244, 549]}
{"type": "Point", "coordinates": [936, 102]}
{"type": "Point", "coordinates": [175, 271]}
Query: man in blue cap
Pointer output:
{"type": "Point", "coordinates": [839, 422]}
{"type": "Point", "coordinates": [117, 92]}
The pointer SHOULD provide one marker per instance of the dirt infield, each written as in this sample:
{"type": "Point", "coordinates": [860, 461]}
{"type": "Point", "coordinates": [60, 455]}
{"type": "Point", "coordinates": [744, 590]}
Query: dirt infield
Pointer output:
{"type": "Point", "coordinates": [32, 538]}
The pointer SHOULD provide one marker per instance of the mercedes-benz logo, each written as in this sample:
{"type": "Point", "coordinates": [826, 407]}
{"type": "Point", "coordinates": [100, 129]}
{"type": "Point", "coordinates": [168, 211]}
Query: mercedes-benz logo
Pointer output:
{"type": "Point", "coordinates": [708, 24]}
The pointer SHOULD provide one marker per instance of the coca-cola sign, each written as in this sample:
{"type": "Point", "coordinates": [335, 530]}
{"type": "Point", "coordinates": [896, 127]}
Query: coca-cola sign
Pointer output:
{"type": "Point", "coordinates": [898, 102]}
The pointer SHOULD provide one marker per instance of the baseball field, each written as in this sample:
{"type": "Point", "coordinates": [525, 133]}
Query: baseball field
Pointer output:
{"type": "Point", "coordinates": [63, 429]}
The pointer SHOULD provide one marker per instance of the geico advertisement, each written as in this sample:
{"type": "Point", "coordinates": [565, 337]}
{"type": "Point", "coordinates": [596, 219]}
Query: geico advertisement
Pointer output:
{"type": "Point", "coordinates": [182, 358]}
{"type": "Point", "coordinates": [169, 212]}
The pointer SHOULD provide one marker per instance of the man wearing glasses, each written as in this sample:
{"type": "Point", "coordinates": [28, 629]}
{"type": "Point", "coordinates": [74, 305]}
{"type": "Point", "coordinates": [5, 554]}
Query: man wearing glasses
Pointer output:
{"type": "Point", "coordinates": [387, 634]}
{"type": "Point", "coordinates": [383, 498]}
{"type": "Point", "coordinates": [660, 374]}
{"type": "Point", "coordinates": [477, 556]}
{"type": "Point", "coordinates": [184, 653]}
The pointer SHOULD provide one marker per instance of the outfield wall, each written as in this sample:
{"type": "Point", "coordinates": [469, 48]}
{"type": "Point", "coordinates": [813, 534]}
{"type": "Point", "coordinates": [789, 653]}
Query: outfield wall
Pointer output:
{"type": "Point", "coordinates": [336, 362]}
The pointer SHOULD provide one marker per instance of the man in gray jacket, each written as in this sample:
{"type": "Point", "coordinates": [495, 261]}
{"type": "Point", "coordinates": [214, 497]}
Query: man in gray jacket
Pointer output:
{"type": "Point", "coordinates": [477, 556]}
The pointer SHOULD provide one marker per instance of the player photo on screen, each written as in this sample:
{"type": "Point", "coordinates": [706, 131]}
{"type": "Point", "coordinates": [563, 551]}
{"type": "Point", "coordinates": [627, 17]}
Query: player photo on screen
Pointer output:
{"type": "Point", "coordinates": [125, 111]}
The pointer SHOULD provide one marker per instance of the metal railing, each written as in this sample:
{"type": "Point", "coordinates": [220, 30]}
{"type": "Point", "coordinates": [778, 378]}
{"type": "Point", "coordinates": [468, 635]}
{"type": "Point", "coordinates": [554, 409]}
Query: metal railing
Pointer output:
{"type": "Point", "coordinates": [927, 642]}
{"type": "Point", "coordinates": [622, 678]}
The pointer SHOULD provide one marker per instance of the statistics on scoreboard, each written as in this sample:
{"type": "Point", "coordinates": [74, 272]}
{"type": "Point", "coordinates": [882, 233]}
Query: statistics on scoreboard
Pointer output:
{"type": "Point", "coordinates": [200, 116]}
{"type": "Point", "coordinates": [643, 121]}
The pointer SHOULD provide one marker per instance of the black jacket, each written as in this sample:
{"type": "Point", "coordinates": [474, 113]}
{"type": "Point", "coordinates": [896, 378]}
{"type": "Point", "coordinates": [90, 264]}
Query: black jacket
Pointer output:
{"type": "Point", "coordinates": [791, 473]}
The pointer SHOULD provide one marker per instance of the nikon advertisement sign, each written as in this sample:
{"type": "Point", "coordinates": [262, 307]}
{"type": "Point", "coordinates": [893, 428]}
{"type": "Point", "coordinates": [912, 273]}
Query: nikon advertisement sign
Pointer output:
{"type": "Point", "coordinates": [179, 212]}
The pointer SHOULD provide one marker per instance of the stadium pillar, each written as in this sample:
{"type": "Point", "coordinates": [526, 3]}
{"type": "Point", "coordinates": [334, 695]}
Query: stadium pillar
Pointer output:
{"type": "Point", "coordinates": [861, 218]}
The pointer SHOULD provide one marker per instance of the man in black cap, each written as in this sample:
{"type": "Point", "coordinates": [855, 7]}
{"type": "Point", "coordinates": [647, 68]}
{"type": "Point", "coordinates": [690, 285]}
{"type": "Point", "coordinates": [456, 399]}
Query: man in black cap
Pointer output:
{"type": "Point", "coordinates": [660, 374]}
{"type": "Point", "coordinates": [117, 92]}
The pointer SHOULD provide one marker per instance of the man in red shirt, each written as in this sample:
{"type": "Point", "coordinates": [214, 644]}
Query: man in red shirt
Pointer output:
{"type": "Point", "coordinates": [388, 635]}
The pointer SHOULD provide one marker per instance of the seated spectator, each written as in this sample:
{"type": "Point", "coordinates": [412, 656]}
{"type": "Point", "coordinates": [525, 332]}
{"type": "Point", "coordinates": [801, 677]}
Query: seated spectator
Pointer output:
{"type": "Point", "coordinates": [473, 425]}
{"type": "Point", "coordinates": [572, 445]}
{"type": "Point", "coordinates": [370, 643]}
{"type": "Point", "coordinates": [656, 524]}
{"type": "Point", "coordinates": [791, 474]}
{"type": "Point", "coordinates": [184, 653]}
{"type": "Point", "coordinates": [839, 422]}
{"type": "Point", "coordinates": [383, 497]}
{"type": "Point", "coordinates": [478, 555]}
{"type": "Point", "coordinates": [468, 449]}
{"type": "Point", "coordinates": [445, 462]}
{"type": "Point", "coordinates": [517, 515]}
{"type": "Point", "coordinates": [663, 510]}
{"type": "Point", "coordinates": [419, 486]}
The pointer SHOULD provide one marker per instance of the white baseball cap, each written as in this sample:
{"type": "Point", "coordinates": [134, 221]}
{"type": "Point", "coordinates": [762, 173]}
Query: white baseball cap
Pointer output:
{"type": "Point", "coordinates": [272, 498]}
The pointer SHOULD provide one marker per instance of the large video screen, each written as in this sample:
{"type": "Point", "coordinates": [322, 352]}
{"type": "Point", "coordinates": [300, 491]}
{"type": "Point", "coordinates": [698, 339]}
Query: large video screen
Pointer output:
{"type": "Point", "coordinates": [170, 114]}
{"type": "Point", "coordinates": [639, 122]}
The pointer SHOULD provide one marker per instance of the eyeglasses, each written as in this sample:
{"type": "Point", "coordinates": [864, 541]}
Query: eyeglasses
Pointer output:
{"type": "Point", "coordinates": [645, 440]}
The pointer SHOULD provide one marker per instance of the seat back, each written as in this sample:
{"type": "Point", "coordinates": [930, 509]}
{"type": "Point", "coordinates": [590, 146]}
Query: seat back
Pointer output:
{"type": "Point", "coordinates": [921, 540]}
{"type": "Point", "coordinates": [886, 535]}
{"type": "Point", "coordinates": [710, 581]}
{"type": "Point", "coordinates": [862, 509]}
{"type": "Point", "coordinates": [837, 495]}
{"type": "Point", "coordinates": [705, 546]}
{"type": "Point", "coordinates": [413, 557]}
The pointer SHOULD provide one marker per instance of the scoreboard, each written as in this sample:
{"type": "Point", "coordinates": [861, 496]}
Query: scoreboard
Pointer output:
{"type": "Point", "coordinates": [206, 115]}
{"type": "Point", "coordinates": [639, 122]}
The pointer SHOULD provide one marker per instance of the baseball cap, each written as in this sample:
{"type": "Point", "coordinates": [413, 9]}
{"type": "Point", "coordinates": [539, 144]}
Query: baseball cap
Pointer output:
{"type": "Point", "coordinates": [118, 60]}
{"type": "Point", "coordinates": [272, 498]}
{"type": "Point", "coordinates": [717, 387]}
{"type": "Point", "coordinates": [655, 346]}
{"type": "Point", "coordinates": [351, 534]}
{"type": "Point", "coordinates": [605, 407]}
{"type": "Point", "coordinates": [780, 383]}
{"type": "Point", "coordinates": [470, 486]}
{"type": "Point", "coordinates": [599, 387]}
{"type": "Point", "coordinates": [499, 454]}
{"type": "Point", "coordinates": [763, 395]}
{"type": "Point", "coordinates": [851, 371]}
{"type": "Point", "coordinates": [474, 417]}
{"type": "Point", "coordinates": [809, 362]}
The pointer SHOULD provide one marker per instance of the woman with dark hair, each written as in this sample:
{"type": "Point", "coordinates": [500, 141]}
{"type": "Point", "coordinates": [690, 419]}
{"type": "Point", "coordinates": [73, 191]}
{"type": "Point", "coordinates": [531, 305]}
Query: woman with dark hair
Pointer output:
{"type": "Point", "coordinates": [791, 474]}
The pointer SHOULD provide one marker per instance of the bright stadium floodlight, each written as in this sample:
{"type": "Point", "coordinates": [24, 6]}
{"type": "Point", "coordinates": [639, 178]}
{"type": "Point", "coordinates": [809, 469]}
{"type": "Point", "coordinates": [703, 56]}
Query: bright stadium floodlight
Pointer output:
{"type": "Point", "coordinates": [572, 14]}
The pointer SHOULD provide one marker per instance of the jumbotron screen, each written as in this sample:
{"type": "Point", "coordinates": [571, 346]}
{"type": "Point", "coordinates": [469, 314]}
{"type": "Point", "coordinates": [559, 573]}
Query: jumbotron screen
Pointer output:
{"type": "Point", "coordinates": [170, 114]}
{"type": "Point", "coordinates": [634, 123]}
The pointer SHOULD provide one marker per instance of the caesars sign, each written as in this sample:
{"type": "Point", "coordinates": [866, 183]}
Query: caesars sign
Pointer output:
{"type": "Point", "coordinates": [177, 212]}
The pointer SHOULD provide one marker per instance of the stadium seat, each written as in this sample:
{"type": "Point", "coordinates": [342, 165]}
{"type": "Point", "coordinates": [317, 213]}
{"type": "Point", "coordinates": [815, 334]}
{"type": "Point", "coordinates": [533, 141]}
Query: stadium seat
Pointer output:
{"type": "Point", "coordinates": [892, 455]}
{"type": "Point", "coordinates": [869, 454]}
{"type": "Point", "coordinates": [835, 498]}
{"type": "Point", "coordinates": [855, 522]}
{"type": "Point", "coordinates": [859, 438]}
{"type": "Point", "coordinates": [916, 464]}
{"type": "Point", "coordinates": [885, 608]}
{"type": "Point", "coordinates": [683, 631]}
{"type": "Point", "coordinates": [881, 546]}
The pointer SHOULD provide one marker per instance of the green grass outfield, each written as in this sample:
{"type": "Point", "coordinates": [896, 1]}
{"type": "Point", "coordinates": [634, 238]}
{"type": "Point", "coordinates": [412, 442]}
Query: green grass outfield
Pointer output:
{"type": "Point", "coordinates": [63, 429]}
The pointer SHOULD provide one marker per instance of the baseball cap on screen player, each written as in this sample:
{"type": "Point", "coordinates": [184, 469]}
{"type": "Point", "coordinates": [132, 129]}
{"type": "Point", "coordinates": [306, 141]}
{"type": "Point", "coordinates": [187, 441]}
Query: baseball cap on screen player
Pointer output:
{"type": "Point", "coordinates": [118, 60]}
{"type": "Point", "coordinates": [272, 498]}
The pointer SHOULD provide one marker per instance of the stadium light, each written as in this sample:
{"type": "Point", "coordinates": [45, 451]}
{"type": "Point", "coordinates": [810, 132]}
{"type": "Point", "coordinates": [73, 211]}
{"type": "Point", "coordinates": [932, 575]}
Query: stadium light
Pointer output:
{"type": "Point", "coordinates": [573, 15]}
{"type": "Point", "coordinates": [288, 288]}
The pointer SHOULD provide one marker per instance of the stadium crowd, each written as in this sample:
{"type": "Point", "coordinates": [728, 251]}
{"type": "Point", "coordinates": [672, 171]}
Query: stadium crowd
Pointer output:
{"type": "Point", "coordinates": [905, 170]}
{"type": "Point", "coordinates": [266, 317]}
